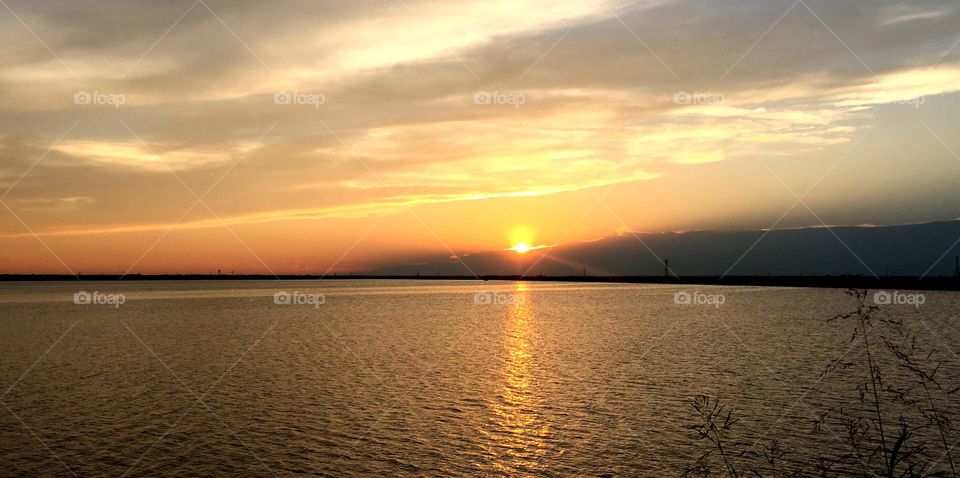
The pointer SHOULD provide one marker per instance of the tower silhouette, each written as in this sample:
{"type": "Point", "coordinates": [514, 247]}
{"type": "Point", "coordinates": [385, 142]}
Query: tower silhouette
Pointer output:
{"type": "Point", "coordinates": [666, 268]}
{"type": "Point", "coordinates": [956, 267]}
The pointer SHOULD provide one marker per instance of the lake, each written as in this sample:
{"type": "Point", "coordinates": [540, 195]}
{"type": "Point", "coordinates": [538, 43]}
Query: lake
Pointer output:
{"type": "Point", "coordinates": [420, 378]}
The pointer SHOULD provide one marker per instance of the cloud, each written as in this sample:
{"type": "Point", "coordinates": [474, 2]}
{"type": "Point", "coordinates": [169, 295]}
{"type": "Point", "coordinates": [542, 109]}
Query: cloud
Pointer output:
{"type": "Point", "coordinates": [401, 125]}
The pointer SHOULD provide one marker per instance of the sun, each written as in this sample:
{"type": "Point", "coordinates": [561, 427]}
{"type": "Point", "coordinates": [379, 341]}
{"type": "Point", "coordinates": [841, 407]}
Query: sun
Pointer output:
{"type": "Point", "coordinates": [521, 248]}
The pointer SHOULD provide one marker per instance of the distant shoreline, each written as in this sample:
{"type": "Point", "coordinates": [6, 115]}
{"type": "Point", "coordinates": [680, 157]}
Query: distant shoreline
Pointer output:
{"type": "Point", "coordinates": [831, 282]}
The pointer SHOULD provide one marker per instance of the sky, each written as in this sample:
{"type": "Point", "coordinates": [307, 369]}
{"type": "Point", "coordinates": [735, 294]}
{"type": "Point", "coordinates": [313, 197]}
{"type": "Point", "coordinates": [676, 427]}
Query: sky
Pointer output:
{"type": "Point", "coordinates": [327, 137]}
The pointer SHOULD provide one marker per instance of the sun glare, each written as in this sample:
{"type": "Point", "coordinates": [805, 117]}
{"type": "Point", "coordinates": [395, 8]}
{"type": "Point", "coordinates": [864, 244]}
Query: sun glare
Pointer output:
{"type": "Point", "coordinates": [521, 248]}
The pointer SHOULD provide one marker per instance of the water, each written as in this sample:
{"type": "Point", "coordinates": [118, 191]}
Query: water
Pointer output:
{"type": "Point", "coordinates": [415, 378]}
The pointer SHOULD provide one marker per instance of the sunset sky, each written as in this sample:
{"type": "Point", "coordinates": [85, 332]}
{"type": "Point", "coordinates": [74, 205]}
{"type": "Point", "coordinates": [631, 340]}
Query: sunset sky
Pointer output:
{"type": "Point", "coordinates": [307, 137]}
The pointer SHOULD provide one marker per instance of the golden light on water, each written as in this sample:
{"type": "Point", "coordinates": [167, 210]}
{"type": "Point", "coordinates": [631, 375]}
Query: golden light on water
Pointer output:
{"type": "Point", "coordinates": [520, 427]}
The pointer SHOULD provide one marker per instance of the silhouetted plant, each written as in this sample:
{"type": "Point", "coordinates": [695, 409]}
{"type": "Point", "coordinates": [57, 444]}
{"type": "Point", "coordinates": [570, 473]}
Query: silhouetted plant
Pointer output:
{"type": "Point", "coordinates": [715, 423]}
{"type": "Point", "coordinates": [924, 370]}
{"type": "Point", "coordinates": [885, 431]}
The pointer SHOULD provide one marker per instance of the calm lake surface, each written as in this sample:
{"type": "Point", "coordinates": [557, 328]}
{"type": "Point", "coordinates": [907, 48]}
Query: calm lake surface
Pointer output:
{"type": "Point", "coordinates": [417, 378]}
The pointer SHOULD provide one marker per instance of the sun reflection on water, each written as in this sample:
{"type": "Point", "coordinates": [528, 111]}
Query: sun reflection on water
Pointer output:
{"type": "Point", "coordinates": [519, 433]}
